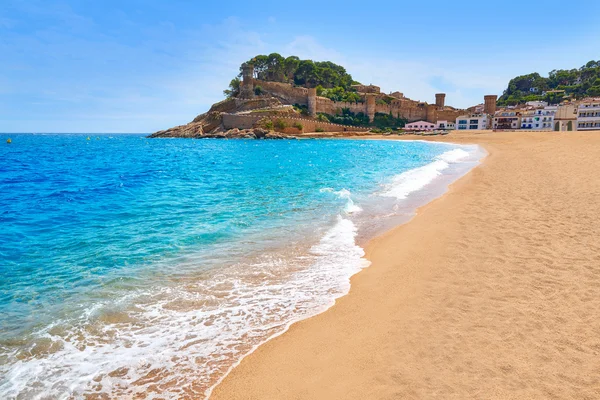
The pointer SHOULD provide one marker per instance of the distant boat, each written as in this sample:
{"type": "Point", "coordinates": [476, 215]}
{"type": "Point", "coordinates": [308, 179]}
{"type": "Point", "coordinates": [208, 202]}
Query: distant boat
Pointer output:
{"type": "Point", "coordinates": [8, 141]}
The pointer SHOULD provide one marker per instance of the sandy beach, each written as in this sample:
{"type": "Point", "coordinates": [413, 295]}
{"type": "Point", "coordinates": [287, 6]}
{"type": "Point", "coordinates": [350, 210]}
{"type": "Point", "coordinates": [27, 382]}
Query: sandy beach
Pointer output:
{"type": "Point", "coordinates": [491, 292]}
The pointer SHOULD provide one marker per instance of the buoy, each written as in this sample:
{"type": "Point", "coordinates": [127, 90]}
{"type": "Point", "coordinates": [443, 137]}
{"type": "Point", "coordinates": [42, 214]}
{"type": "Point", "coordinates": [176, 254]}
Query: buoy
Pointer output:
{"type": "Point", "coordinates": [8, 141]}
{"type": "Point", "coordinates": [88, 138]}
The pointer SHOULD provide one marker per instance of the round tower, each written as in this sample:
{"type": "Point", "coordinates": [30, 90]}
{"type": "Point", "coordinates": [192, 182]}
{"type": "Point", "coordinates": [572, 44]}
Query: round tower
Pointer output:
{"type": "Point", "coordinates": [248, 72]}
{"type": "Point", "coordinates": [247, 83]}
{"type": "Point", "coordinates": [490, 104]}
{"type": "Point", "coordinates": [370, 106]}
{"type": "Point", "coordinates": [440, 99]}
{"type": "Point", "coordinates": [431, 113]}
{"type": "Point", "coordinates": [312, 102]}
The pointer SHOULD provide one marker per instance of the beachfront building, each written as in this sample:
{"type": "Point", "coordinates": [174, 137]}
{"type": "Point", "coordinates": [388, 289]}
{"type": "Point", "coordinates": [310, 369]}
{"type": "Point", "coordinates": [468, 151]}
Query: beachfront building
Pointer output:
{"type": "Point", "coordinates": [565, 118]}
{"type": "Point", "coordinates": [539, 119]}
{"type": "Point", "coordinates": [588, 115]}
{"type": "Point", "coordinates": [445, 125]}
{"type": "Point", "coordinates": [473, 122]}
{"type": "Point", "coordinates": [507, 119]}
{"type": "Point", "coordinates": [419, 126]}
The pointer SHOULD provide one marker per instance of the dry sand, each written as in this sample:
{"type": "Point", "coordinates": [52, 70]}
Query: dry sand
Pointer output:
{"type": "Point", "coordinates": [490, 292]}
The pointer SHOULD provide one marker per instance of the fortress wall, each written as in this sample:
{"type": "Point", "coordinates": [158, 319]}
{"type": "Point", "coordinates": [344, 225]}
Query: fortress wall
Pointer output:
{"type": "Point", "coordinates": [231, 121]}
{"type": "Point", "coordinates": [285, 91]}
{"type": "Point", "coordinates": [449, 115]}
{"type": "Point", "coordinates": [325, 105]}
{"type": "Point", "coordinates": [310, 125]}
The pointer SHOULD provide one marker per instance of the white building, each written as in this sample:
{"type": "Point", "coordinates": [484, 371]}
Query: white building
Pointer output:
{"type": "Point", "coordinates": [588, 115]}
{"type": "Point", "coordinates": [537, 104]}
{"type": "Point", "coordinates": [473, 122]}
{"type": "Point", "coordinates": [448, 125]}
{"type": "Point", "coordinates": [540, 119]}
{"type": "Point", "coordinates": [419, 126]}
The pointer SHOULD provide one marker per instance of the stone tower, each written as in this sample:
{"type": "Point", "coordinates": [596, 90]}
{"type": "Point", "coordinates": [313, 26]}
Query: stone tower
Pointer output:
{"type": "Point", "coordinates": [247, 83]}
{"type": "Point", "coordinates": [440, 100]}
{"type": "Point", "coordinates": [490, 104]}
{"type": "Point", "coordinates": [370, 106]}
{"type": "Point", "coordinates": [431, 111]}
{"type": "Point", "coordinates": [312, 102]}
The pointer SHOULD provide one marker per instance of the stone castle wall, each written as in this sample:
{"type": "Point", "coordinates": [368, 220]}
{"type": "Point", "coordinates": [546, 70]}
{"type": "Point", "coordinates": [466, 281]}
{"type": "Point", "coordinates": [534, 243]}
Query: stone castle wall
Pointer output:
{"type": "Point", "coordinates": [231, 121]}
{"type": "Point", "coordinates": [328, 106]}
{"type": "Point", "coordinates": [285, 91]}
{"type": "Point", "coordinates": [408, 109]}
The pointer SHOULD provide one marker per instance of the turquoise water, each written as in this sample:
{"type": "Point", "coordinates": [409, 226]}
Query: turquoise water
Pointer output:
{"type": "Point", "coordinates": [129, 264]}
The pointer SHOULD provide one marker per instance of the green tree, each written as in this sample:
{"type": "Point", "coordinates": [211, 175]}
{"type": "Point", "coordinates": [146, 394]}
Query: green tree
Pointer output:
{"type": "Point", "coordinates": [234, 88]}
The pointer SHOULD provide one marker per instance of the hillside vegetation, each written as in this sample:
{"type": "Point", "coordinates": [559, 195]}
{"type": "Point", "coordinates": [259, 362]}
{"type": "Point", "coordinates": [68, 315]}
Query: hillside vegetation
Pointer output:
{"type": "Point", "coordinates": [331, 80]}
{"type": "Point", "coordinates": [576, 83]}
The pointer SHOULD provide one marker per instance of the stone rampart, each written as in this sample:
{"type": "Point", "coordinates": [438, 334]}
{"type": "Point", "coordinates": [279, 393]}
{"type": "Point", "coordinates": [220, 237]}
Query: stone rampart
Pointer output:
{"type": "Point", "coordinates": [284, 91]}
{"type": "Point", "coordinates": [328, 106]}
{"type": "Point", "coordinates": [231, 121]}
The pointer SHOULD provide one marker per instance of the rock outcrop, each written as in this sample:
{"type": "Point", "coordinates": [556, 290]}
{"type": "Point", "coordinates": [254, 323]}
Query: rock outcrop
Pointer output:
{"type": "Point", "coordinates": [210, 124]}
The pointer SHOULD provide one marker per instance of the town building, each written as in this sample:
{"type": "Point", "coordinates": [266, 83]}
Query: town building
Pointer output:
{"type": "Point", "coordinates": [539, 119]}
{"type": "Point", "coordinates": [588, 115]}
{"type": "Point", "coordinates": [473, 122]}
{"type": "Point", "coordinates": [537, 104]}
{"type": "Point", "coordinates": [420, 126]}
{"type": "Point", "coordinates": [508, 119]}
{"type": "Point", "coordinates": [445, 125]}
{"type": "Point", "coordinates": [565, 118]}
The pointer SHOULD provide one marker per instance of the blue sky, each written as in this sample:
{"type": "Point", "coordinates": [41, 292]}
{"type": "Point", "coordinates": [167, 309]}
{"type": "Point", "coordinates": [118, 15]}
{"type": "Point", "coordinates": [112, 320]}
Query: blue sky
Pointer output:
{"type": "Point", "coordinates": [142, 66]}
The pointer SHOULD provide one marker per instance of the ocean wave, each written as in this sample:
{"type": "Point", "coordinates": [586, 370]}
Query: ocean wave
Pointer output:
{"type": "Point", "coordinates": [416, 179]}
{"type": "Point", "coordinates": [177, 341]}
{"type": "Point", "coordinates": [350, 207]}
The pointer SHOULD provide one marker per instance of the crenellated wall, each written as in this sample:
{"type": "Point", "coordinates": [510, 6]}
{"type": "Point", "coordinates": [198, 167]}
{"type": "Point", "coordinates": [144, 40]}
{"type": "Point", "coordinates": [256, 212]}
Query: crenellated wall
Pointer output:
{"type": "Point", "coordinates": [231, 121]}
{"type": "Point", "coordinates": [400, 107]}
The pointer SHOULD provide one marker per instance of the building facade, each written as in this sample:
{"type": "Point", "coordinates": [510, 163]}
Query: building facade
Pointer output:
{"type": "Point", "coordinates": [473, 122]}
{"type": "Point", "coordinates": [507, 120]}
{"type": "Point", "coordinates": [565, 118]}
{"type": "Point", "coordinates": [540, 119]}
{"type": "Point", "coordinates": [445, 125]}
{"type": "Point", "coordinates": [420, 126]}
{"type": "Point", "coordinates": [588, 115]}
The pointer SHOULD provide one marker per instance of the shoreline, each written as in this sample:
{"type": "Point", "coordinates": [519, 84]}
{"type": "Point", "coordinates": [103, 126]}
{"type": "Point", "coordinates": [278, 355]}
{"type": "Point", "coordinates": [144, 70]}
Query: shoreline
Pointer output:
{"type": "Point", "coordinates": [271, 368]}
{"type": "Point", "coordinates": [439, 190]}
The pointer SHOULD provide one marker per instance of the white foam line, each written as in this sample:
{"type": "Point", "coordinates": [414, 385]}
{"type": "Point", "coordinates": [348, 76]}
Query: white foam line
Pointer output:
{"type": "Point", "coordinates": [209, 391]}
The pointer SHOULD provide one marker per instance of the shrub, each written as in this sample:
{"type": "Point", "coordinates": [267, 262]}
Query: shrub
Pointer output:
{"type": "Point", "coordinates": [268, 125]}
{"type": "Point", "coordinates": [319, 129]}
{"type": "Point", "coordinates": [280, 124]}
{"type": "Point", "coordinates": [258, 91]}
{"type": "Point", "coordinates": [322, 117]}
{"type": "Point", "coordinates": [302, 109]}
{"type": "Point", "coordinates": [298, 126]}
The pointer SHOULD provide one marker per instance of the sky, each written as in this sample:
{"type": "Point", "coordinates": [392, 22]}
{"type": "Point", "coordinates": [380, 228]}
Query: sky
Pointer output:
{"type": "Point", "coordinates": [146, 65]}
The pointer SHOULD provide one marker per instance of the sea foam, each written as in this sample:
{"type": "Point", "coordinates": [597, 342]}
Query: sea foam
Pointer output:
{"type": "Point", "coordinates": [416, 179]}
{"type": "Point", "coordinates": [187, 337]}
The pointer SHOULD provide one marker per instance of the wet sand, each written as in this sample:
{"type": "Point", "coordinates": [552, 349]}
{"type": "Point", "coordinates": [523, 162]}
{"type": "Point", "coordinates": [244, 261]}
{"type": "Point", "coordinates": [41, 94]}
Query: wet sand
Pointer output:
{"type": "Point", "coordinates": [491, 292]}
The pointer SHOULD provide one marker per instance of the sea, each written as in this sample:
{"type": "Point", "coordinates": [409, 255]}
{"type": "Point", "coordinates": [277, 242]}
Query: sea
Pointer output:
{"type": "Point", "coordinates": [148, 268]}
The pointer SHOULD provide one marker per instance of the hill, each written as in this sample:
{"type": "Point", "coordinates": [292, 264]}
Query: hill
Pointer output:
{"type": "Point", "coordinates": [559, 85]}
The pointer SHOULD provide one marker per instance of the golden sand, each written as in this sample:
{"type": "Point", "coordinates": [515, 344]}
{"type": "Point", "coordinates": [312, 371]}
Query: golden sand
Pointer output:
{"type": "Point", "coordinates": [491, 292]}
